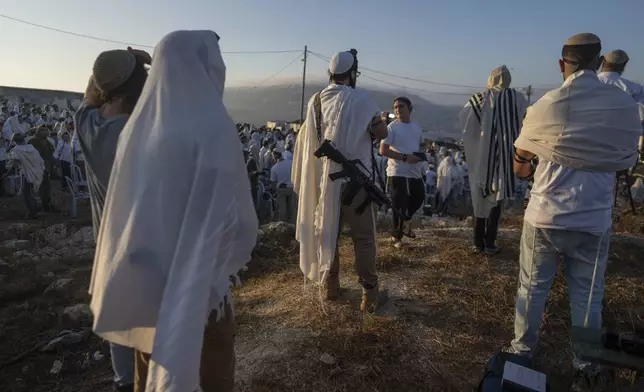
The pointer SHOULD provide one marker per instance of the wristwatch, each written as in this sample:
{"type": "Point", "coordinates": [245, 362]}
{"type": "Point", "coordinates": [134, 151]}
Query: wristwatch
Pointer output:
{"type": "Point", "coordinates": [404, 158]}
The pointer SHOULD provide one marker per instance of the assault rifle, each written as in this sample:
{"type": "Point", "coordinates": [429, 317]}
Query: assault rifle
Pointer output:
{"type": "Point", "coordinates": [355, 171]}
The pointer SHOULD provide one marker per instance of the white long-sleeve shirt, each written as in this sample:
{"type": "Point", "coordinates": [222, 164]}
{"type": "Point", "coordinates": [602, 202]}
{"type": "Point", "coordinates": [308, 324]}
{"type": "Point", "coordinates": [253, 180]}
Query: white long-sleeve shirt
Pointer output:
{"type": "Point", "coordinates": [64, 152]}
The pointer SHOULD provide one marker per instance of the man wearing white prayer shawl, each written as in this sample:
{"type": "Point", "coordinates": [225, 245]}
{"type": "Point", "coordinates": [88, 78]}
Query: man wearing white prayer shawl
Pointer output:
{"type": "Point", "coordinates": [491, 121]}
{"type": "Point", "coordinates": [583, 133]}
{"type": "Point", "coordinates": [173, 234]}
{"type": "Point", "coordinates": [448, 182]}
{"type": "Point", "coordinates": [261, 159]}
{"type": "Point", "coordinates": [11, 126]}
{"type": "Point", "coordinates": [348, 117]}
{"type": "Point", "coordinates": [31, 166]}
{"type": "Point", "coordinates": [612, 69]}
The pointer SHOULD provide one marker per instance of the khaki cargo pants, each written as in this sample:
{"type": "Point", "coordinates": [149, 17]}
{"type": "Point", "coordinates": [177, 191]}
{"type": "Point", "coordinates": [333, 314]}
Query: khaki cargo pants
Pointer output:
{"type": "Point", "coordinates": [217, 370]}
{"type": "Point", "coordinates": [363, 234]}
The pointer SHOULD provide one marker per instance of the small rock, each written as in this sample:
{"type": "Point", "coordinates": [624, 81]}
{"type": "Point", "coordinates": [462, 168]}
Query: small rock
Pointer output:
{"type": "Point", "coordinates": [3, 263]}
{"type": "Point", "coordinates": [280, 232]}
{"type": "Point", "coordinates": [19, 230]}
{"type": "Point", "coordinates": [56, 367]}
{"type": "Point", "coordinates": [25, 369]}
{"type": "Point", "coordinates": [16, 244]}
{"type": "Point", "coordinates": [327, 359]}
{"type": "Point", "coordinates": [56, 233]}
{"type": "Point", "coordinates": [98, 356]}
{"type": "Point", "coordinates": [78, 315]}
{"type": "Point", "coordinates": [58, 284]}
{"type": "Point", "coordinates": [84, 236]}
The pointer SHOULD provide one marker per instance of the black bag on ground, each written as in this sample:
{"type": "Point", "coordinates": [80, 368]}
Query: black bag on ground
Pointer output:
{"type": "Point", "coordinates": [493, 375]}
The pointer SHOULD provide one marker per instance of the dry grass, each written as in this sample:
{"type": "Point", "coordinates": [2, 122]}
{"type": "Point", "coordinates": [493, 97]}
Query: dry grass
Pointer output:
{"type": "Point", "coordinates": [449, 311]}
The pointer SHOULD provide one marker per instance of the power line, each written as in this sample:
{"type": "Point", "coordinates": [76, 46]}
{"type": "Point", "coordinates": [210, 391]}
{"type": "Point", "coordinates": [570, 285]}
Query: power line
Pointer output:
{"type": "Point", "coordinates": [413, 88]}
{"type": "Point", "coordinates": [281, 70]}
{"type": "Point", "coordinates": [128, 43]}
{"type": "Point", "coordinates": [405, 77]}
{"type": "Point", "coordinates": [321, 57]}
{"type": "Point", "coordinates": [326, 58]}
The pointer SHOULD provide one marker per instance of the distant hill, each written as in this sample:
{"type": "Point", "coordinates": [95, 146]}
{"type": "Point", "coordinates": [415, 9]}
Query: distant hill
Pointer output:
{"type": "Point", "coordinates": [256, 105]}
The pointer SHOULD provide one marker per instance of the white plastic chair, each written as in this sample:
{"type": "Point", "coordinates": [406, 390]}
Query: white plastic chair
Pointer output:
{"type": "Point", "coordinates": [77, 176]}
{"type": "Point", "coordinates": [76, 195]}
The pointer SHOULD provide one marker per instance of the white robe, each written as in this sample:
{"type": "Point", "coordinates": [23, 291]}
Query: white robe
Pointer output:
{"type": "Point", "coordinates": [31, 164]}
{"type": "Point", "coordinates": [346, 113]}
{"type": "Point", "coordinates": [11, 126]}
{"type": "Point", "coordinates": [447, 177]}
{"type": "Point", "coordinates": [173, 234]}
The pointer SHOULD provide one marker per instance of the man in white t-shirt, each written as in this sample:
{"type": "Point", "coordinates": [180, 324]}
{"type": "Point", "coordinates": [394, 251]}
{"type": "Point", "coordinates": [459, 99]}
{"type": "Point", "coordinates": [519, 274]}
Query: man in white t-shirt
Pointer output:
{"type": "Point", "coordinates": [281, 181]}
{"type": "Point", "coordinates": [404, 169]}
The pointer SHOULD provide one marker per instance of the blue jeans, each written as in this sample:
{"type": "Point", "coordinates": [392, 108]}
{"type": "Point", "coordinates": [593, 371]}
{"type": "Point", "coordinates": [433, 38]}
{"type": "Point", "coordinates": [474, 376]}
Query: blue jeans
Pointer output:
{"type": "Point", "coordinates": [122, 364]}
{"type": "Point", "coordinates": [540, 252]}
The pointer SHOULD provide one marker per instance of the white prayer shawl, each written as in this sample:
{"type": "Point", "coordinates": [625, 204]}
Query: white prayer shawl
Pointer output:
{"type": "Point", "coordinates": [172, 235]}
{"type": "Point", "coordinates": [584, 124]}
{"type": "Point", "coordinates": [261, 161]}
{"type": "Point", "coordinates": [253, 149]}
{"type": "Point", "coordinates": [11, 126]}
{"type": "Point", "coordinates": [447, 177]}
{"type": "Point", "coordinates": [635, 90]}
{"type": "Point", "coordinates": [346, 115]}
{"type": "Point", "coordinates": [31, 164]}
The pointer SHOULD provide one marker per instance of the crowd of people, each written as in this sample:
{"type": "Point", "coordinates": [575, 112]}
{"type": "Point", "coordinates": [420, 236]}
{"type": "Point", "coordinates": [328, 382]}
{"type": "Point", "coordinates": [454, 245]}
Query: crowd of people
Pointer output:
{"type": "Point", "coordinates": [37, 145]}
{"type": "Point", "coordinates": [176, 209]}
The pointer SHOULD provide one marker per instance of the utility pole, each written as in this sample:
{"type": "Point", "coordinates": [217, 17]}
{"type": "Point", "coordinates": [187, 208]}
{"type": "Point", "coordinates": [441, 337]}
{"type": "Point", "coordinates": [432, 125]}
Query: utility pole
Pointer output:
{"type": "Point", "coordinates": [306, 51]}
{"type": "Point", "coordinates": [528, 92]}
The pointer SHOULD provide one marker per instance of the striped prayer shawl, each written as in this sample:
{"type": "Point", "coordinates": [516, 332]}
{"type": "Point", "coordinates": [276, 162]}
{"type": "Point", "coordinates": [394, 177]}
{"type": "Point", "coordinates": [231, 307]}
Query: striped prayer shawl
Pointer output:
{"type": "Point", "coordinates": [505, 130]}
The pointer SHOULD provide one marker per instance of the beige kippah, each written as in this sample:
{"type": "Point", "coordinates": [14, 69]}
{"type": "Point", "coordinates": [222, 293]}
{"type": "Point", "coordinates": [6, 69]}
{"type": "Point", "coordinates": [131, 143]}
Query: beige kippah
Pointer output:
{"type": "Point", "coordinates": [583, 39]}
{"type": "Point", "coordinates": [617, 57]}
{"type": "Point", "coordinates": [113, 68]}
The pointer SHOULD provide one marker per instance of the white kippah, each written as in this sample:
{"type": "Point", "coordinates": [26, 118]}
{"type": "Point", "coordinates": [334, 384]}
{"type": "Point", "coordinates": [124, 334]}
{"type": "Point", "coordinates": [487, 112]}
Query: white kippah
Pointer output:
{"type": "Point", "coordinates": [340, 63]}
{"type": "Point", "coordinates": [617, 57]}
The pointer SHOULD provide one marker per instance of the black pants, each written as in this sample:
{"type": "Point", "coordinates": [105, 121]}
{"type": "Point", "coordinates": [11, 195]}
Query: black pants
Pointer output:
{"type": "Point", "coordinates": [27, 194]}
{"type": "Point", "coordinates": [45, 192]}
{"type": "Point", "coordinates": [442, 205]}
{"type": "Point", "coordinates": [3, 170]}
{"type": "Point", "coordinates": [407, 195]}
{"type": "Point", "coordinates": [66, 170]}
{"type": "Point", "coordinates": [486, 230]}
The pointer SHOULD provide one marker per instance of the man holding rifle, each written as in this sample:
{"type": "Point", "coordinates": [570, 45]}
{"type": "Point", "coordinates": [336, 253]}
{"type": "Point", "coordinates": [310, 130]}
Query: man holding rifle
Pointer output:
{"type": "Point", "coordinates": [348, 118]}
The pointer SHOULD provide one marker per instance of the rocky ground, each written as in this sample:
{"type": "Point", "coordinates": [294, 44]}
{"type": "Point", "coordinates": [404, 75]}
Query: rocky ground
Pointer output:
{"type": "Point", "coordinates": [449, 311]}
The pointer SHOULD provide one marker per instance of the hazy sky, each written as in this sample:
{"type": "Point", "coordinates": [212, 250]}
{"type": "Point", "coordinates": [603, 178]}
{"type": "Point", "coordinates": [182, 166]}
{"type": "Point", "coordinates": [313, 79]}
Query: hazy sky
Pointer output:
{"type": "Point", "coordinates": [455, 41]}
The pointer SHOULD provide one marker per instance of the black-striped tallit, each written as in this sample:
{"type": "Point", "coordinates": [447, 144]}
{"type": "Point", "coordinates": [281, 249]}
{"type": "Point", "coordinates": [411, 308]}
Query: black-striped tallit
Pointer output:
{"type": "Point", "coordinates": [505, 129]}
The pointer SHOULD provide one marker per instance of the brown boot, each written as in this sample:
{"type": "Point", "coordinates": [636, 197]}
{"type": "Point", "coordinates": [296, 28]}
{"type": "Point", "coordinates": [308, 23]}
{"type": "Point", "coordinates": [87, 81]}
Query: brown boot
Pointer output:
{"type": "Point", "coordinates": [372, 299]}
{"type": "Point", "coordinates": [332, 288]}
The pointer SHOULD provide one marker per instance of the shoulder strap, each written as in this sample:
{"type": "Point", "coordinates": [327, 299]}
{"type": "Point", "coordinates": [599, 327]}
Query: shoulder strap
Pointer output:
{"type": "Point", "coordinates": [317, 107]}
